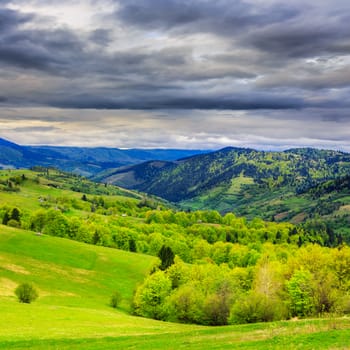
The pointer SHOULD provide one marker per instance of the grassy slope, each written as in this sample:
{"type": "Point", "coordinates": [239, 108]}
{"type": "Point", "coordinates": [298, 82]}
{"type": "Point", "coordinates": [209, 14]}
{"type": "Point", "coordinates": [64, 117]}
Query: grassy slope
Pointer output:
{"type": "Point", "coordinates": [75, 281]}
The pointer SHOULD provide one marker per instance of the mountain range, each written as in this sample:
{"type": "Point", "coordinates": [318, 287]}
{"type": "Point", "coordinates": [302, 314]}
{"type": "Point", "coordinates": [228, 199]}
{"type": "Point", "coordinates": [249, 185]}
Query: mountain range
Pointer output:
{"type": "Point", "coordinates": [85, 161]}
{"type": "Point", "coordinates": [294, 185]}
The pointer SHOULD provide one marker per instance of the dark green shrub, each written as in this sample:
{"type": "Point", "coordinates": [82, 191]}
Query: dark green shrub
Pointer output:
{"type": "Point", "coordinates": [166, 255]}
{"type": "Point", "coordinates": [26, 293]}
{"type": "Point", "coordinates": [116, 298]}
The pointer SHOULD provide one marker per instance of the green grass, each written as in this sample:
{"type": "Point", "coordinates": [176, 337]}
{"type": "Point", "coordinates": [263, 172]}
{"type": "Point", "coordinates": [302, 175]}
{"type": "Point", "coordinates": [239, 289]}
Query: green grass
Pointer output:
{"type": "Point", "coordinates": [30, 190]}
{"type": "Point", "coordinates": [69, 272]}
{"type": "Point", "coordinates": [97, 329]}
{"type": "Point", "coordinates": [75, 282]}
{"type": "Point", "coordinates": [238, 182]}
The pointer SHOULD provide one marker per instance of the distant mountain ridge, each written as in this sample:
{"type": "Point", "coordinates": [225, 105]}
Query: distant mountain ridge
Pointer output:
{"type": "Point", "coordinates": [297, 167]}
{"type": "Point", "coordinates": [82, 160]}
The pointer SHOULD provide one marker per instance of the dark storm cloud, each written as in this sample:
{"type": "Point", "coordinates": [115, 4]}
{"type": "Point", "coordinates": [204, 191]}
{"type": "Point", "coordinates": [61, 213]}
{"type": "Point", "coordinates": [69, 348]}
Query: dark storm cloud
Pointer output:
{"type": "Point", "coordinates": [303, 39]}
{"type": "Point", "coordinates": [14, 48]}
{"type": "Point", "coordinates": [26, 58]}
{"type": "Point", "coordinates": [206, 102]}
{"type": "Point", "coordinates": [62, 52]}
{"type": "Point", "coordinates": [47, 50]}
{"type": "Point", "coordinates": [222, 16]}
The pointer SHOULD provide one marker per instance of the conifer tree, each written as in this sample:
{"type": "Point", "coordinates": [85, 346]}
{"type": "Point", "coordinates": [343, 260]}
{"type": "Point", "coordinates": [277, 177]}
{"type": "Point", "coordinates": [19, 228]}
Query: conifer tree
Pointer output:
{"type": "Point", "coordinates": [166, 255]}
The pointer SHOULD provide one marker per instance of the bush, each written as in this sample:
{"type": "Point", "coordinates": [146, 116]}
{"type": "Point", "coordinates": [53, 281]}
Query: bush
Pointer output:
{"type": "Point", "coordinates": [26, 293]}
{"type": "Point", "coordinates": [13, 223]}
{"type": "Point", "coordinates": [256, 307]}
{"type": "Point", "coordinates": [300, 290]}
{"type": "Point", "coordinates": [342, 306]}
{"type": "Point", "coordinates": [186, 304]}
{"type": "Point", "coordinates": [150, 297]}
{"type": "Point", "coordinates": [216, 310]}
{"type": "Point", "coordinates": [116, 299]}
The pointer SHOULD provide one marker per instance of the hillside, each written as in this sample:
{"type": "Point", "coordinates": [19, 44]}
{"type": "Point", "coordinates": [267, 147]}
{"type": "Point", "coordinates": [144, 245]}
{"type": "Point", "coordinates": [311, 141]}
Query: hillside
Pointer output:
{"type": "Point", "coordinates": [248, 182]}
{"type": "Point", "coordinates": [68, 272]}
{"type": "Point", "coordinates": [59, 203]}
{"type": "Point", "coordinates": [75, 282]}
{"type": "Point", "coordinates": [81, 160]}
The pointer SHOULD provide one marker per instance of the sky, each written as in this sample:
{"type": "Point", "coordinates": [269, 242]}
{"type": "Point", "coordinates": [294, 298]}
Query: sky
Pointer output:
{"type": "Point", "coordinates": [194, 74]}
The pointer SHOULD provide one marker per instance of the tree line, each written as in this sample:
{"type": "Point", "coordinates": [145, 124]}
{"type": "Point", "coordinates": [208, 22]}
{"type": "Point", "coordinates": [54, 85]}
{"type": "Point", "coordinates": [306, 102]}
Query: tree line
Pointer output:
{"type": "Point", "coordinates": [285, 282]}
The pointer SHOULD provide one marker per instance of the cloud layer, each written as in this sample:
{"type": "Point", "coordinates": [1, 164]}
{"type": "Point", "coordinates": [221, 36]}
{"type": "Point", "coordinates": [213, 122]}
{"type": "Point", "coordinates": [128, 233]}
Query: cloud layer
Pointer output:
{"type": "Point", "coordinates": [175, 73]}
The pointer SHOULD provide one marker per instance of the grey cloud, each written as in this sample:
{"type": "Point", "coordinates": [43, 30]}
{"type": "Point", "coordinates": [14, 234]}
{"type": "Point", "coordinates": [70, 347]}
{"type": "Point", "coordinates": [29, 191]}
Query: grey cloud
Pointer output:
{"type": "Point", "coordinates": [275, 29]}
{"type": "Point", "coordinates": [26, 58]}
{"type": "Point", "coordinates": [100, 37]}
{"type": "Point", "coordinates": [203, 129]}
{"type": "Point", "coordinates": [36, 129]}
{"type": "Point", "coordinates": [10, 19]}
{"type": "Point", "coordinates": [155, 101]}
{"type": "Point", "coordinates": [314, 78]}
{"type": "Point", "coordinates": [35, 49]}
{"type": "Point", "coordinates": [222, 16]}
{"type": "Point", "coordinates": [62, 52]}
{"type": "Point", "coordinates": [302, 39]}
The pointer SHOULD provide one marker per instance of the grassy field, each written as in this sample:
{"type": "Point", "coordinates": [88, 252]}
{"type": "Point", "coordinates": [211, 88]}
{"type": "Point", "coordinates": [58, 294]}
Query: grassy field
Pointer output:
{"type": "Point", "coordinates": [40, 186]}
{"type": "Point", "coordinates": [75, 282]}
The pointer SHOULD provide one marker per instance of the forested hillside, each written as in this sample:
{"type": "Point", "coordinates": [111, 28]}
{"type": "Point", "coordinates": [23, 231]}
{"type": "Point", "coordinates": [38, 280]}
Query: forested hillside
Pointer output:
{"type": "Point", "coordinates": [272, 185]}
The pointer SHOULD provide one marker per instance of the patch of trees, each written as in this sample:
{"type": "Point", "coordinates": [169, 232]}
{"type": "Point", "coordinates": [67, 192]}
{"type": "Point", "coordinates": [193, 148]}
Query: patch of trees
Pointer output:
{"type": "Point", "coordinates": [193, 236]}
{"type": "Point", "coordinates": [337, 186]}
{"type": "Point", "coordinates": [11, 216]}
{"type": "Point", "coordinates": [284, 283]}
{"type": "Point", "coordinates": [12, 183]}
